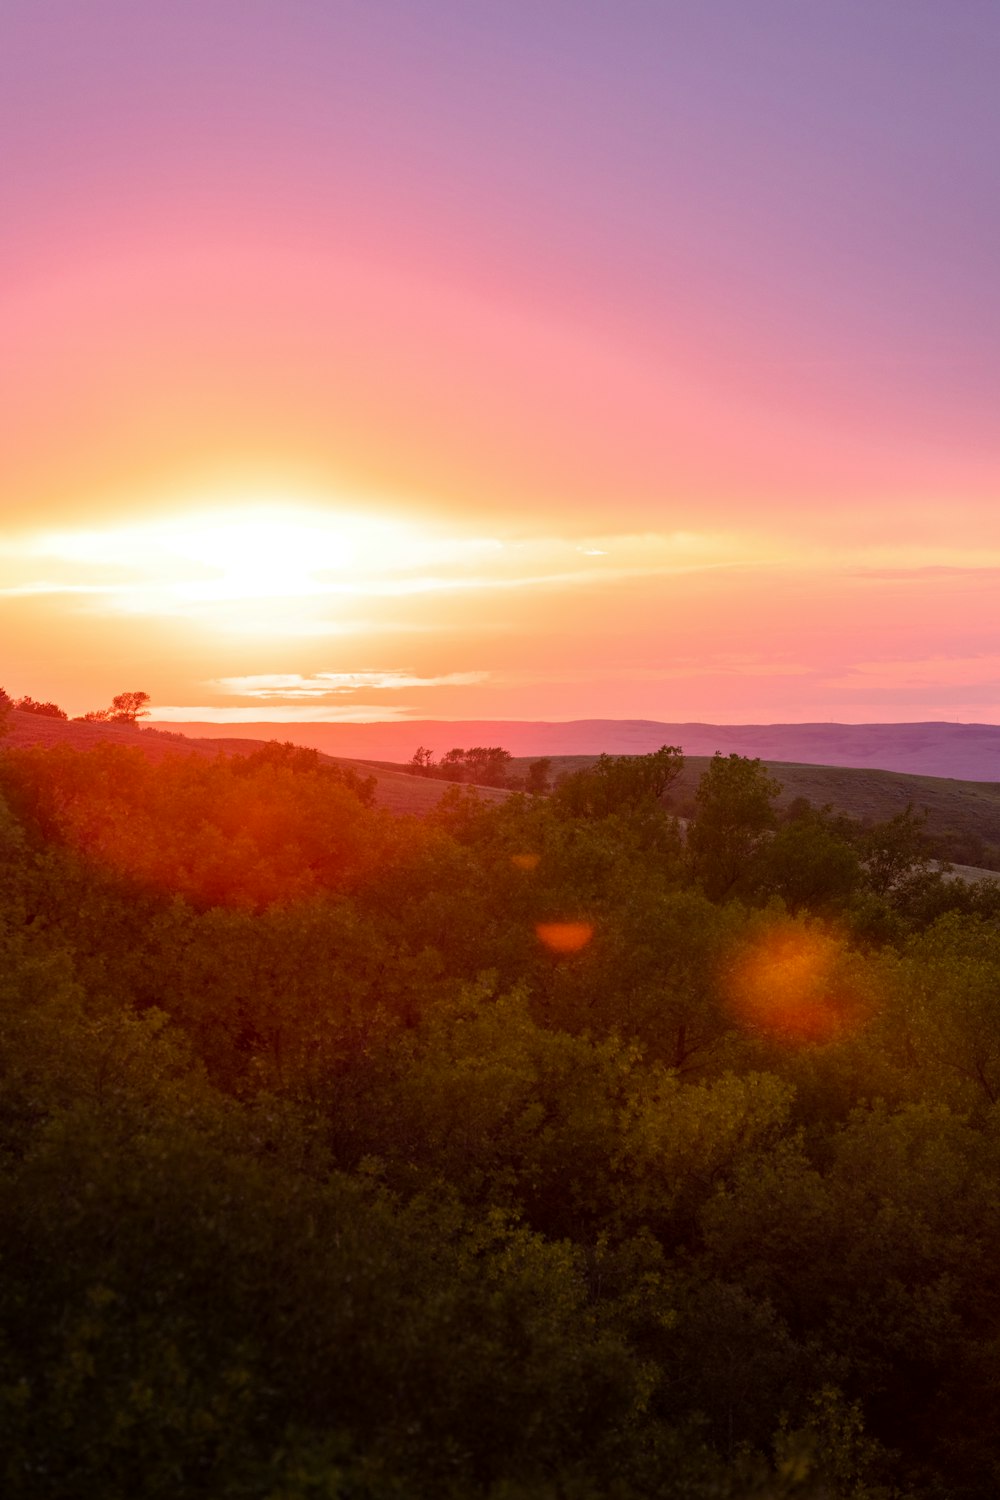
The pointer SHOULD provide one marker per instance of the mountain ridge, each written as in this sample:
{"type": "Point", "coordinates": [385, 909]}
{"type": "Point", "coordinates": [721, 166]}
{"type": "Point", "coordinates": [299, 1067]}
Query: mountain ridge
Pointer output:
{"type": "Point", "coordinates": [941, 748]}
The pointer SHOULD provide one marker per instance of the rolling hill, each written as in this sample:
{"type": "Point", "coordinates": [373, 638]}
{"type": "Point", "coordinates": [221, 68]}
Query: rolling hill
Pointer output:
{"type": "Point", "coordinates": [970, 752]}
{"type": "Point", "coordinates": [963, 816]}
{"type": "Point", "coordinates": [395, 789]}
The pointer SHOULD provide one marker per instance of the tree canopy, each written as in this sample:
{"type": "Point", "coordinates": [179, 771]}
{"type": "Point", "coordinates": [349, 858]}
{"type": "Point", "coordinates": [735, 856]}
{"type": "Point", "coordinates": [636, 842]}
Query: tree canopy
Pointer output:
{"type": "Point", "coordinates": [324, 1172]}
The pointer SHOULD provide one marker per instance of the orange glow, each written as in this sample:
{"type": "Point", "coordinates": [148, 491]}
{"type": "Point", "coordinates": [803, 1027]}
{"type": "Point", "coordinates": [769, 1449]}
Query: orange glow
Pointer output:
{"type": "Point", "coordinates": [794, 984]}
{"type": "Point", "coordinates": [565, 937]}
{"type": "Point", "coordinates": [525, 861]}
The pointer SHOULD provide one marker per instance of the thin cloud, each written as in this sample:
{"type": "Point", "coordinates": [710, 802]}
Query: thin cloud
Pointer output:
{"type": "Point", "coordinates": [282, 713]}
{"type": "Point", "coordinates": [285, 685]}
{"type": "Point", "coordinates": [210, 566]}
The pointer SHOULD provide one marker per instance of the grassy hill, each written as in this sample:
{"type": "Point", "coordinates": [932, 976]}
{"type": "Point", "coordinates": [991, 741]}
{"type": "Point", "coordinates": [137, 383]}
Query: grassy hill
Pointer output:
{"type": "Point", "coordinates": [963, 817]}
{"type": "Point", "coordinates": [395, 790]}
{"type": "Point", "coordinates": [968, 751]}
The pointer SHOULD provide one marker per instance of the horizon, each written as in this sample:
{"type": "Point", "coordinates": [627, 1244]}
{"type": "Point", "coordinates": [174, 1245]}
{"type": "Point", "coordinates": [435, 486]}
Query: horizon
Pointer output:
{"type": "Point", "coordinates": [378, 367]}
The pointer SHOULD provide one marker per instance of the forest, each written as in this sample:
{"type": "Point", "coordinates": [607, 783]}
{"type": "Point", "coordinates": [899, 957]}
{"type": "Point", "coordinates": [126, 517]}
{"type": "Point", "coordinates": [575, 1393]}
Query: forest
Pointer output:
{"type": "Point", "coordinates": [542, 1149]}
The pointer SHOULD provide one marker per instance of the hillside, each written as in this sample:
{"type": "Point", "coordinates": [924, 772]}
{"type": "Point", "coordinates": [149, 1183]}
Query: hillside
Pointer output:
{"type": "Point", "coordinates": [395, 790]}
{"type": "Point", "coordinates": [963, 817]}
{"type": "Point", "coordinates": [970, 752]}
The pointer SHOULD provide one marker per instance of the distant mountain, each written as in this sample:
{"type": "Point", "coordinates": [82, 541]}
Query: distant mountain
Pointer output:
{"type": "Point", "coordinates": [967, 752]}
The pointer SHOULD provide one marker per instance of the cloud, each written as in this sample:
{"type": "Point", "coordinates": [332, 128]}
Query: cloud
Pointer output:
{"type": "Point", "coordinates": [282, 713]}
{"type": "Point", "coordinates": [291, 685]}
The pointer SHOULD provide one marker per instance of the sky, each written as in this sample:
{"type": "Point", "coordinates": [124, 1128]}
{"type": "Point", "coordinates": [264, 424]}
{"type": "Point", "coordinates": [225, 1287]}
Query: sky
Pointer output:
{"type": "Point", "coordinates": [545, 359]}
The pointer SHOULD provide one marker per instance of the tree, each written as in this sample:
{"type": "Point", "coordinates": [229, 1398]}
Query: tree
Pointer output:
{"type": "Point", "coordinates": [451, 765]}
{"type": "Point", "coordinates": [28, 705]}
{"type": "Point", "coordinates": [5, 707]}
{"type": "Point", "coordinates": [624, 784]}
{"type": "Point", "coordinates": [537, 780]}
{"type": "Point", "coordinates": [487, 764]}
{"type": "Point", "coordinates": [895, 849]}
{"type": "Point", "coordinates": [808, 863]}
{"type": "Point", "coordinates": [735, 801]}
{"type": "Point", "coordinates": [421, 762]}
{"type": "Point", "coordinates": [127, 707]}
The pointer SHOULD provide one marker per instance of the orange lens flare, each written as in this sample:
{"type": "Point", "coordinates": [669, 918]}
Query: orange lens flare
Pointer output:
{"type": "Point", "coordinates": [795, 985]}
{"type": "Point", "coordinates": [565, 937]}
{"type": "Point", "coordinates": [525, 861]}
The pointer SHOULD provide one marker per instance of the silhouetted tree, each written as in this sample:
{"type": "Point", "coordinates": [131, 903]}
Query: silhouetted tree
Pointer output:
{"type": "Point", "coordinates": [127, 707]}
{"type": "Point", "coordinates": [28, 705]}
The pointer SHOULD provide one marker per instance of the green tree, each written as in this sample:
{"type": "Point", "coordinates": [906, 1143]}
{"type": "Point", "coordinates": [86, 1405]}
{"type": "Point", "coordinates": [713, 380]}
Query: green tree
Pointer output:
{"type": "Point", "coordinates": [896, 849]}
{"type": "Point", "coordinates": [620, 784]}
{"type": "Point", "coordinates": [735, 817]}
{"type": "Point", "coordinates": [809, 865]}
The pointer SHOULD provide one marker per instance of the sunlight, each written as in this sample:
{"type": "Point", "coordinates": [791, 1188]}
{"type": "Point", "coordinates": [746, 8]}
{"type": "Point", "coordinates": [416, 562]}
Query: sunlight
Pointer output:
{"type": "Point", "coordinates": [259, 550]}
{"type": "Point", "coordinates": [259, 565]}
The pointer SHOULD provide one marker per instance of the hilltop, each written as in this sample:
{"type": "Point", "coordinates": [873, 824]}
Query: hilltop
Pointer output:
{"type": "Point", "coordinates": [395, 789]}
{"type": "Point", "coordinates": [970, 752]}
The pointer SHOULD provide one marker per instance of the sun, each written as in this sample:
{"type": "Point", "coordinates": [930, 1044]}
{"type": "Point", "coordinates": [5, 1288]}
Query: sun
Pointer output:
{"type": "Point", "coordinates": [247, 563]}
{"type": "Point", "coordinates": [261, 550]}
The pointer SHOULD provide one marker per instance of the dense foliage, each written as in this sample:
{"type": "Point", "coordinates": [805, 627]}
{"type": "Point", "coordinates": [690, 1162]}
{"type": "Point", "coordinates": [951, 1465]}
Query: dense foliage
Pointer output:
{"type": "Point", "coordinates": [531, 1152]}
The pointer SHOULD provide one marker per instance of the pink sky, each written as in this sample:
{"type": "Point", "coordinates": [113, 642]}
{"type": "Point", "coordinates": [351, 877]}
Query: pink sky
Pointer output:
{"type": "Point", "coordinates": [427, 359]}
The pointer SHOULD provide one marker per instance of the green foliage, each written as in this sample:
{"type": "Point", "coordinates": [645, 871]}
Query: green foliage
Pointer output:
{"type": "Point", "coordinates": [809, 864]}
{"type": "Point", "coordinates": [627, 785]}
{"type": "Point", "coordinates": [895, 849]}
{"type": "Point", "coordinates": [321, 1174]}
{"type": "Point", "coordinates": [735, 813]}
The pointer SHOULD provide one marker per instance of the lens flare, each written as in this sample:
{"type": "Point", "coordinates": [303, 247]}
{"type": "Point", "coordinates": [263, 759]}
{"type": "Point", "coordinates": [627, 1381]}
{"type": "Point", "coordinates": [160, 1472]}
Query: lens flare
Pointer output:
{"type": "Point", "coordinates": [565, 937]}
{"type": "Point", "coordinates": [797, 985]}
{"type": "Point", "coordinates": [525, 861]}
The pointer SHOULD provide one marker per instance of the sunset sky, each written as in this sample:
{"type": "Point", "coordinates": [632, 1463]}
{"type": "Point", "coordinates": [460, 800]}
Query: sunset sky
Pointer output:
{"type": "Point", "coordinates": [538, 359]}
